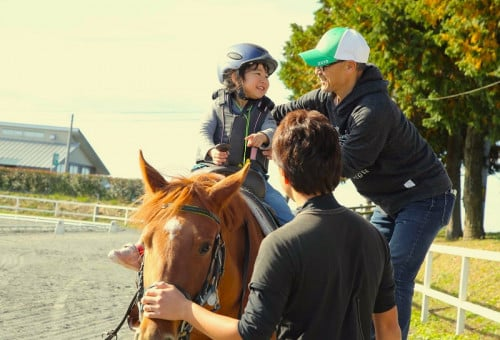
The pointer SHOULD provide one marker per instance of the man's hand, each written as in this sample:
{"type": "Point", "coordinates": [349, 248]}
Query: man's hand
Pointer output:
{"type": "Point", "coordinates": [165, 301]}
{"type": "Point", "coordinates": [268, 153]}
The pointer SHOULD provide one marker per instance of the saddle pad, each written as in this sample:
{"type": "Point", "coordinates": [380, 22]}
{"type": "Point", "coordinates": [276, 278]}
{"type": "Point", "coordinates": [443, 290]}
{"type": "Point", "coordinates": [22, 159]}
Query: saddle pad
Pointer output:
{"type": "Point", "coordinates": [264, 216]}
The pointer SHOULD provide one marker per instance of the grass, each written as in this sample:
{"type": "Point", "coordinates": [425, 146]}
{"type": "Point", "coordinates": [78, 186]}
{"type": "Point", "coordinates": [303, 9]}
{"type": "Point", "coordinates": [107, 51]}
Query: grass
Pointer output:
{"type": "Point", "coordinates": [483, 289]}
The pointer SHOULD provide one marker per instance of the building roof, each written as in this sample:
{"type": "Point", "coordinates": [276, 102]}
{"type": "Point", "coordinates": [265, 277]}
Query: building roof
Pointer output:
{"type": "Point", "coordinates": [35, 146]}
{"type": "Point", "coordinates": [30, 154]}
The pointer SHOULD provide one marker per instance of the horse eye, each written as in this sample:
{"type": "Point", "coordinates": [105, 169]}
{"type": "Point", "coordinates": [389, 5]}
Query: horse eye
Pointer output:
{"type": "Point", "coordinates": [204, 248]}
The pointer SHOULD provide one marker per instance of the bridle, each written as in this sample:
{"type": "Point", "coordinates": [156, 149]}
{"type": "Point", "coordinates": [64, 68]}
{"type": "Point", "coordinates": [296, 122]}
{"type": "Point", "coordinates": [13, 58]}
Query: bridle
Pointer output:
{"type": "Point", "coordinates": [208, 294]}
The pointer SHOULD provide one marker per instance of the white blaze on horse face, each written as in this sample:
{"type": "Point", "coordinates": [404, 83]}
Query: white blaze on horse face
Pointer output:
{"type": "Point", "coordinates": [172, 226]}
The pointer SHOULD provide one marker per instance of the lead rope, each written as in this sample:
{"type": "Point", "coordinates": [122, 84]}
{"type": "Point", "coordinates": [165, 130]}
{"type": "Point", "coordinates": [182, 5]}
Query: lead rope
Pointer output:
{"type": "Point", "coordinates": [135, 300]}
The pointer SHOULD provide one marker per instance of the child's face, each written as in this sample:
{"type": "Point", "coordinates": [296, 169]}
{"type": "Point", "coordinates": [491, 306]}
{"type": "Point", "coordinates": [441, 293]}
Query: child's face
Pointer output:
{"type": "Point", "coordinates": [256, 82]}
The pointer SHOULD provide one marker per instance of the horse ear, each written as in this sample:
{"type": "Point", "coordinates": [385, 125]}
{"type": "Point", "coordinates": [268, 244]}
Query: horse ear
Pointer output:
{"type": "Point", "coordinates": [152, 179]}
{"type": "Point", "coordinates": [222, 191]}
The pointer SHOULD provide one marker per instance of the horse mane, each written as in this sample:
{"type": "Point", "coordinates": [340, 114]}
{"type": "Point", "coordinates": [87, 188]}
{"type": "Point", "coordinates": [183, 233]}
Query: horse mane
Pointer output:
{"type": "Point", "coordinates": [179, 191]}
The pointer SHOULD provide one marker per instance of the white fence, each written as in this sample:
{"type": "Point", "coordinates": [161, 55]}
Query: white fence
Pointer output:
{"type": "Point", "coordinates": [103, 217]}
{"type": "Point", "coordinates": [461, 301]}
{"type": "Point", "coordinates": [20, 223]}
{"type": "Point", "coordinates": [94, 212]}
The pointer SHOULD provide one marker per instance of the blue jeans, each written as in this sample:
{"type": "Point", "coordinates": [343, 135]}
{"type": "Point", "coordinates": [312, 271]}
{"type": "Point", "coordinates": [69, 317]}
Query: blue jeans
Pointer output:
{"type": "Point", "coordinates": [410, 233]}
{"type": "Point", "coordinates": [278, 203]}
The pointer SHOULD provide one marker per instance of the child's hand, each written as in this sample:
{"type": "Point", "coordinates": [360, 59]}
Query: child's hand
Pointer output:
{"type": "Point", "coordinates": [257, 139]}
{"type": "Point", "coordinates": [219, 157]}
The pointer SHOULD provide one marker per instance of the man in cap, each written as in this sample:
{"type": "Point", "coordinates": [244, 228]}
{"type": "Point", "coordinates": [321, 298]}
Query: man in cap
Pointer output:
{"type": "Point", "coordinates": [383, 154]}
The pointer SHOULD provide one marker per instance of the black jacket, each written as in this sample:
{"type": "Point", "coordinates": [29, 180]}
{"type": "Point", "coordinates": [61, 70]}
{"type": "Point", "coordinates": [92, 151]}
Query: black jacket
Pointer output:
{"type": "Point", "coordinates": [383, 153]}
{"type": "Point", "coordinates": [312, 281]}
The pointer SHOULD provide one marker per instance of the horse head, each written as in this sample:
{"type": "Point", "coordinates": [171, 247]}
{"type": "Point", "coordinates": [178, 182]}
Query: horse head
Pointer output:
{"type": "Point", "coordinates": [195, 233]}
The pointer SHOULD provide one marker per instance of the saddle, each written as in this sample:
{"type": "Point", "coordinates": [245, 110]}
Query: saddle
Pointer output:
{"type": "Point", "coordinates": [253, 190]}
{"type": "Point", "coordinates": [254, 181]}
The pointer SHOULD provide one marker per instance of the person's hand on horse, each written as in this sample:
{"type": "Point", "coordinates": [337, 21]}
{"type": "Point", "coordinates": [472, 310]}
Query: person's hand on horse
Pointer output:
{"type": "Point", "coordinates": [165, 301]}
{"type": "Point", "coordinates": [219, 157]}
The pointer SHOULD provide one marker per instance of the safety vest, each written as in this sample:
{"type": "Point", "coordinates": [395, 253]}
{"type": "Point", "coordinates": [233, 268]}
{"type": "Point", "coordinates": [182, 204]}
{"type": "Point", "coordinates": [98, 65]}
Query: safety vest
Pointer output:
{"type": "Point", "coordinates": [235, 127]}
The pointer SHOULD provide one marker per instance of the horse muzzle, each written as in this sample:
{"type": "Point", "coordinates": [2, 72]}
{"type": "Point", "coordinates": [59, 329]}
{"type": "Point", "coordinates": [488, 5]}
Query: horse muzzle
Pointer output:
{"type": "Point", "coordinates": [150, 330]}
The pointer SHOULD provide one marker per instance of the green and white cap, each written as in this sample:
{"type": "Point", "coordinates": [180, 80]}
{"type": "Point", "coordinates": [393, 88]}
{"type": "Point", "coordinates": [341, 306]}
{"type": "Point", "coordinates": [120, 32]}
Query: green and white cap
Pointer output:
{"type": "Point", "coordinates": [340, 43]}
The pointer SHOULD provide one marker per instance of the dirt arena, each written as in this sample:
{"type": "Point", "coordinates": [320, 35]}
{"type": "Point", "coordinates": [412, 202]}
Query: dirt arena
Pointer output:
{"type": "Point", "coordinates": [63, 286]}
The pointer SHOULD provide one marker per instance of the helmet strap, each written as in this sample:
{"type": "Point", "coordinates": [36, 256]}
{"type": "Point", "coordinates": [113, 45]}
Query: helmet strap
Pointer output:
{"type": "Point", "coordinates": [236, 79]}
{"type": "Point", "coordinates": [241, 93]}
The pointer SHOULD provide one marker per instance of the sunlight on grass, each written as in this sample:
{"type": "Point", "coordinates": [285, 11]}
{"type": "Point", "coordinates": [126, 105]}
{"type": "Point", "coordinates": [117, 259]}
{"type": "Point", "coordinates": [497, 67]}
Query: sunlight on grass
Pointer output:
{"type": "Point", "coordinates": [483, 289]}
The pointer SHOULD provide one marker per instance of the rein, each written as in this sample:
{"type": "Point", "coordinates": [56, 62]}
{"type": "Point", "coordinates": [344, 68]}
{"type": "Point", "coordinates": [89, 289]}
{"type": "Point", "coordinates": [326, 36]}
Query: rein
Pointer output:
{"type": "Point", "coordinates": [135, 300]}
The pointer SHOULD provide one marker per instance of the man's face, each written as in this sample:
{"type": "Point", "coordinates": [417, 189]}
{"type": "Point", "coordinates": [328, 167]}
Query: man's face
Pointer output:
{"type": "Point", "coordinates": [332, 77]}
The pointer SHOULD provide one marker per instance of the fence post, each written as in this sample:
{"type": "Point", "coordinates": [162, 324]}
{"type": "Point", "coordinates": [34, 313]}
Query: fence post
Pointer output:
{"type": "Point", "coordinates": [427, 285]}
{"type": "Point", "coordinates": [462, 295]}
{"type": "Point", "coordinates": [59, 227]}
{"type": "Point", "coordinates": [126, 217]}
{"type": "Point", "coordinates": [113, 227]}
{"type": "Point", "coordinates": [96, 212]}
{"type": "Point", "coordinates": [368, 210]}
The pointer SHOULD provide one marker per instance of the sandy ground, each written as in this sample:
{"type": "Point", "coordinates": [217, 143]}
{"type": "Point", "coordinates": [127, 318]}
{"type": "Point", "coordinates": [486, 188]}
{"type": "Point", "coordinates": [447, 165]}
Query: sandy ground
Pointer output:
{"type": "Point", "coordinates": [63, 286]}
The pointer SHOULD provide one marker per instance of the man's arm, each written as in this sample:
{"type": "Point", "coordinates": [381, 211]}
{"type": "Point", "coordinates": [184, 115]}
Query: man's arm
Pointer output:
{"type": "Point", "coordinates": [213, 325]}
{"type": "Point", "coordinates": [313, 100]}
{"type": "Point", "coordinates": [386, 325]}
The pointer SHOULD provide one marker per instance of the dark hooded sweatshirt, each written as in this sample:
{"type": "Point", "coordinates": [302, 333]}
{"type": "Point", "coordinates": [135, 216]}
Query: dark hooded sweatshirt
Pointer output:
{"type": "Point", "coordinates": [383, 153]}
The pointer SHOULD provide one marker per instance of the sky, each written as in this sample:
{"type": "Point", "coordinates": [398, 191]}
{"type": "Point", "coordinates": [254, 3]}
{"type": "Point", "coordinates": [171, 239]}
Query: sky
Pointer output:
{"type": "Point", "coordinates": [129, 71]}
{"type": "Point", "coordinates": [129, 56]}
{"type": "Point", "coordinates": [136, 75]}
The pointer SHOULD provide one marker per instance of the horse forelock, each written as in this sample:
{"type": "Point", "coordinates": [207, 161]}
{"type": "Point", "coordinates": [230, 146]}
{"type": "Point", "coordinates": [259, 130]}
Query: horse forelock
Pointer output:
{"type": "Point", "coordinates": [192, 190]}
{"type": "Point", "coordinates": [180, 191]}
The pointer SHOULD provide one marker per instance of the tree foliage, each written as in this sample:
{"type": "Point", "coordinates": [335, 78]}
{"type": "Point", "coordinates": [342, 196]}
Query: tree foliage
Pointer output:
{"type": "Point", "coordinates": [426, 49]}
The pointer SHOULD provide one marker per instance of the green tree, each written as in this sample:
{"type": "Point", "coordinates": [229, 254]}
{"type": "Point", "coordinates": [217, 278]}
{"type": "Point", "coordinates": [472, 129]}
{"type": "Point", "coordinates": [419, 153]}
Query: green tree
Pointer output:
{"type": "Point", "coordinates": [429, 50]}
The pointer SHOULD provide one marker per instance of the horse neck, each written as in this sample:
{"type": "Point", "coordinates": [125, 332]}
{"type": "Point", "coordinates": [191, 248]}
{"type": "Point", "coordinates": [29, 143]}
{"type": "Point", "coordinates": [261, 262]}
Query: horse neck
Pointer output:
{"type": "Point", "coordinates": [242, 246]}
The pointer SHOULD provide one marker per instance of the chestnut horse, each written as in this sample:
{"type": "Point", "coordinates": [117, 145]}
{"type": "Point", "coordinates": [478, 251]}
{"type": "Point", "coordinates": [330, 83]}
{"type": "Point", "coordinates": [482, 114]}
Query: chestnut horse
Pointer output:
{"type": "Point", "coordinates": [200, 235]}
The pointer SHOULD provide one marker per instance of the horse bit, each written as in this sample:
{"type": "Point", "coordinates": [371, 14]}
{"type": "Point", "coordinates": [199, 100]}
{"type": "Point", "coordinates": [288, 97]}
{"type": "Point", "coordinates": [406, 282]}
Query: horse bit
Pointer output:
{"type": "Point", "coordinates": [209, 291]}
